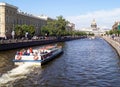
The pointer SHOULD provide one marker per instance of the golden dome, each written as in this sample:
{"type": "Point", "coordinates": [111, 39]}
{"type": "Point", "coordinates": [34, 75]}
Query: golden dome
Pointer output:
{"type": "Point", "coordinates": [93, 22]}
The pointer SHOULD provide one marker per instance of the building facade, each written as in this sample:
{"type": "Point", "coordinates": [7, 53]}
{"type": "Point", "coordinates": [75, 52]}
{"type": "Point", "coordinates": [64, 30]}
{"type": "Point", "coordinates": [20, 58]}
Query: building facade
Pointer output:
{"type": "Point", "coordinates": [93, 29]}
{"type": "Point", "coordinates": [116, 25]}
{"type": "Point", "coordinates": [44, 17]}
{"type": "Point", "coordinates": [10, 16]}
{"type": "Point", "coordinates": [70, 27]}
{"type": "Point", "coordinates": [94, 25]}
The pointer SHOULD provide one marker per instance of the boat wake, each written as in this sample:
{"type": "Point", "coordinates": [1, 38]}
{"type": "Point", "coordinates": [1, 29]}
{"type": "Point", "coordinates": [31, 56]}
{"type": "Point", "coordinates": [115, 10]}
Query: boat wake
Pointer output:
{"type": "Point", "coordinates": [16, 73]}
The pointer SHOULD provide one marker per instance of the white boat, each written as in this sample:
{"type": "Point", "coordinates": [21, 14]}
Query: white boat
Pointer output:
{"type": "Point", "coordinates": [37, 56]}
{"type": "Point", "coordinates": [91, 38]}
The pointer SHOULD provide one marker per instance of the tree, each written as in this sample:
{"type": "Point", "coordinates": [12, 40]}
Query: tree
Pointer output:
{"type": "Point", "coordinates": [58, 28]}
{"type": "Point", "coordinates": [45, 30]}
{"type": "Point", "coordinates": [61, 25]}
{"type": "Point", "coordinates": [31, 30]}
{"type": "Point", "coordinates": [18, 31]}
{"type": "Point", "coordinates": [55, 27]}
{"type": "Point", "coordinates": [21, 30]}
{"type": "Point", "coordinates": [25, 28]}
{"type": "Point", "coordinates": [107, 32]}
{"type": "Point", "coordinates": [111, 32]}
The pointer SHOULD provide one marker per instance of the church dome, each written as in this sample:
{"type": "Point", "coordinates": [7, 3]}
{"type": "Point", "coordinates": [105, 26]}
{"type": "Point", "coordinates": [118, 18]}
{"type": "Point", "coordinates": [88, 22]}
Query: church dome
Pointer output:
{"type": "Point", "coordinates": [93, 22]}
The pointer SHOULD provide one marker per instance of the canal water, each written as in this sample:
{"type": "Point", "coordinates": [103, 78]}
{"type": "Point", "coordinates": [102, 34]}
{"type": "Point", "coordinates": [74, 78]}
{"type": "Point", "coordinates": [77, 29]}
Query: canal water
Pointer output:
{"type": "Point", "coordinates": [84, 63]}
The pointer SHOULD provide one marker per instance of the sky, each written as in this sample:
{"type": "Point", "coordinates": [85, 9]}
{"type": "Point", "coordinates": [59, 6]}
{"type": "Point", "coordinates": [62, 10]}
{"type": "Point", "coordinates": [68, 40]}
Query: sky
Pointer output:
{"type": "Point", "coordinates": [79, 12]}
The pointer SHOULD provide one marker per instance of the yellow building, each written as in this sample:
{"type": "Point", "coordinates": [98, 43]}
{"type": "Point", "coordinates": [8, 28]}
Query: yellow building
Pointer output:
{"type": "Point", "coordinates": [10, 16]}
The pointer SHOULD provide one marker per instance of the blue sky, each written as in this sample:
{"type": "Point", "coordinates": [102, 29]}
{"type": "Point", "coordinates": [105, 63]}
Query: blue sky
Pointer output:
{"type": "Point", "coordinates": [80, 12]}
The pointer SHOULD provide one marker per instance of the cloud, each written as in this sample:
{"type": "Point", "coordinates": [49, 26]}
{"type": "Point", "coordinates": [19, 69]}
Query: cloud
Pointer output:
{"type": "Point", "coordinates": [104, 18]}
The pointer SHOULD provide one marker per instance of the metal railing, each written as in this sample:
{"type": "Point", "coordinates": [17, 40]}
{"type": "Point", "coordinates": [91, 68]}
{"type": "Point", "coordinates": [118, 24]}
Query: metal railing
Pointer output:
{"type": "Point", "coordinates": [2, 41]}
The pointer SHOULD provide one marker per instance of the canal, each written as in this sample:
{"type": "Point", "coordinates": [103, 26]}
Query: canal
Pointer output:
{"type": "Point", "coordinates": [84, 63]}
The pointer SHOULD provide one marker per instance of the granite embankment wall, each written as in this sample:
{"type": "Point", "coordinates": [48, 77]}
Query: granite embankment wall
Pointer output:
{"type": "Point", "coordinates": [9, 46]}
{"type": "Point", "coordinates": [113, 43]}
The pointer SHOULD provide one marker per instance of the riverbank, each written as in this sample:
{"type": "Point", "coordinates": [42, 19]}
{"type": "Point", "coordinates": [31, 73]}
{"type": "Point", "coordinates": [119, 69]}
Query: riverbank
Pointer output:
{"type": "Point", "coordinates": [28, 43]}
{"type": "Point", "coordinates": [113, 43]}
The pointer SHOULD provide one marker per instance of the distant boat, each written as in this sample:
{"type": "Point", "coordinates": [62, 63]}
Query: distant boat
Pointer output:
{"type": "Point", "coordinates": [37, 56]}
{"type": "Point", "coordinates": [91, 37]}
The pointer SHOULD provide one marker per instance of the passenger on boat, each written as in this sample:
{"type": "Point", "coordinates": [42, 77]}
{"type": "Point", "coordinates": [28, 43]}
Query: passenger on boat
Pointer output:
{"type": "Point", "coordinates": [36, 53]}
{"type": "Point", "coordinates": [31, 50]}
{"type": "Point", "coordinates": [28, 52]}
{"type": "Point", "coordinates": [20, 53]}
{"type": "Point", "coordinates": [25, 52]}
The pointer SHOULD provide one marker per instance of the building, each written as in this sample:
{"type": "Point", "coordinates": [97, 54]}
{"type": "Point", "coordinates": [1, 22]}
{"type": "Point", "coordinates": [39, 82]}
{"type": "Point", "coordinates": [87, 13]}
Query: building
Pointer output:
{"type": "Point", "coordinates": [70, 27]}
{"type": "Point", "coordinates": [46, 17]}
{"type": "Point", "coordinates": [11, 16]}
{"type": "Point", "coordinates": [94, 25]}
{"type": "Point", "coordinates": [93, 29]}
{"type": "Point", "coordinates": [87, 30]}
{"type": "Point", "coordinates": [116, 25]}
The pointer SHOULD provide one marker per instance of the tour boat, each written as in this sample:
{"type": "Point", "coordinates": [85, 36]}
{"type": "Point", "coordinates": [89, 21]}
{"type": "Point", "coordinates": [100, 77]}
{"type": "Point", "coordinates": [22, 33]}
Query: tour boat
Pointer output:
{"type": "Point", "coordinates": [37, 56]}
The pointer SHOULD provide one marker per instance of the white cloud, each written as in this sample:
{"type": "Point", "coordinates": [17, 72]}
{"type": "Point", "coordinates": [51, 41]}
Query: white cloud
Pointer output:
{"type": "Point", "coordinates": [105, 18]}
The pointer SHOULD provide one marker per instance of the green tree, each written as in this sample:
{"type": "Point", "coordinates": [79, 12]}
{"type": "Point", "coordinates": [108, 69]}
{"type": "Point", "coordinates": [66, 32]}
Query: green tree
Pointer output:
{"type": "Point", "coordinates": [31, 30]}
{"type": "Point", "coordinates": [55, 27]}
{"type": "Point", "coordinates": [61, 25]}
{"type": "Point", "coordinates": [111, 32]}
{"type": "Point", "coordinates": [18, 31]}
{"type": "Point", "coordinates": [45, 30]}
{"type": "Point", "coordinates": [21, 30]}
{"type": "Point", "coordinates": [58, 28]}
{"type": "Point", "coordinates": [107, 32]}
{"type": "Point", "coordinates": [25, 29]}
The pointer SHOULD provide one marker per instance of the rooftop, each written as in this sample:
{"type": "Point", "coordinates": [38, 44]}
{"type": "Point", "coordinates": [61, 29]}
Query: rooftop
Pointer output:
{"type": "Point", "coordinates": [6, 4]}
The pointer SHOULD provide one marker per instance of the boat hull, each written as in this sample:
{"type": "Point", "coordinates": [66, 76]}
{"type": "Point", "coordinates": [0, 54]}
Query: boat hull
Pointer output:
{"type": "Point", "coordinates": [51, 58]}
{"type": "Point", "coordinates": [20, 62]}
